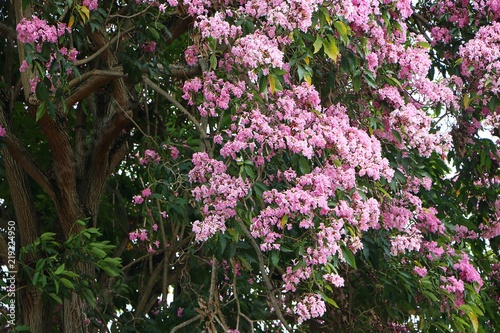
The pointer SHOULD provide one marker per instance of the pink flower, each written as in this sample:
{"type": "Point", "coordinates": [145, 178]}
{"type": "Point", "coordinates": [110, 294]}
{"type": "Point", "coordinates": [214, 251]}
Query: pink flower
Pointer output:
{"type": "Point", "coordinates": [133, 235]}
{"type": "Point", "coordinates": [90, 4]}
{"type": "Point", "coordinates": [72, 55]}
{"type": "Point", "coordinates": [146, 192]}
{"type": "Point", "coordinates": [311, 306]}
{"type": "Point", "coordinates": [149, 47]}
{"type": "Point", "coordinates": [420, 271]}
{"type": "Point", "coordinates": [174, 152]}
{"type": "Point", "coordinates": [24, 66]}
{"type": "Point", "coordinates": [3, 131]}
{"type": "Point", "coordinates": [179, 312]}
{"type": "Point", "coordinates": [155, 227]}
{"type": "Point", "coordinates": [137, 200]}
{"type": "Point", "coordinates": [143, 235]}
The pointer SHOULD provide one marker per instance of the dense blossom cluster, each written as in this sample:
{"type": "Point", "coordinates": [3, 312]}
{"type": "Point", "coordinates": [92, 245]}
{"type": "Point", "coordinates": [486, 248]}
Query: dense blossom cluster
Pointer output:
{"type": "Point", "coordinates": [219, 194]}
{"type": "Point", "coordinates": [38, 31]}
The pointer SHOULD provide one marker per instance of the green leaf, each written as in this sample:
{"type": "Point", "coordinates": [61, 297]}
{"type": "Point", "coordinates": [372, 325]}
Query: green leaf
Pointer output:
{"type": "Point", "coordinates": [356, 82]}
{"type": "Point", "coordinates": [342, 29]}
{"type": "Point", "coordinates": [41, 110]}
{"type": "Point", "coordinates": [318, 43]}
{"type": "Point", "coordinates": [67, 283]}
{"type": "Point", "coordinates": [424, 45]}
{"type": "Point", "coordinates": [110, 271]}
{"type": "Point", "coordinates": [349, 257]}
{"type": "Point", "coordinates": [47, 236]}
{"type": "Point", "coordinates": [213, 61]}
{"type": "Point", "coordinates": [472, 316]}
{"type": "Point", "coordinates": [249, 171]}
{"type": "Point", "coordinates": [56, 298]}
{"type": "Point", "coordinates": [304, 165]}
{"type": "Point", "coordinates": [155, 33]}
{"type": "Point", "coordinates": [275, 258]}
{"type": "Point", "coordinates": [59, 269]}
{"type": "Point", "coordinates": [397, 135]}
{"type": "Point", "coordinates": [69, 274]}
{"type": "Point", "coordinates": [98, 252]}
{"type": "Point", "coordinates": [331, 49]}
{"type": "Point", "coordinates": [370, 79]}
{"type": "Point", "coordinates": [329, 300]}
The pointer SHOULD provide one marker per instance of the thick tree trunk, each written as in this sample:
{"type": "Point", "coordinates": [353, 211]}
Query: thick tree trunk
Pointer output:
{"type": "Point", "coordinates": [29, 299]}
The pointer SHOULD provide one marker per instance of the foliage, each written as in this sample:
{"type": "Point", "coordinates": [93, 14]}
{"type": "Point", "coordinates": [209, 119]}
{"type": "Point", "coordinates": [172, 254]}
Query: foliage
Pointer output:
{"type": "Point", "coordinates": [308, 166]}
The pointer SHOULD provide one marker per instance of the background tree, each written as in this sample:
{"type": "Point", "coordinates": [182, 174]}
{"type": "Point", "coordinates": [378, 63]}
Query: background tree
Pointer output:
{"type": "Point", "coordinates": [245, 166]}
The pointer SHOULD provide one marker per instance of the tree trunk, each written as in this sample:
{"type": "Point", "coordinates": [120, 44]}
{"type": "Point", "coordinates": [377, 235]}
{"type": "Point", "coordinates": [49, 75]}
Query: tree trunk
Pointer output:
{"type": "Point", "coordinates": [29, 299]}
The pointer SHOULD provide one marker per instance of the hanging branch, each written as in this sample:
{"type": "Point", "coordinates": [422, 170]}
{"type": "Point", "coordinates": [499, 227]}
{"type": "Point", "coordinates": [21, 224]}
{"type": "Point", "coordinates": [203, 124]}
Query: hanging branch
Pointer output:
{"type": "Point", "coordinates": [181, 108]}
{"type": "Point", "coordinates": [267, 281]}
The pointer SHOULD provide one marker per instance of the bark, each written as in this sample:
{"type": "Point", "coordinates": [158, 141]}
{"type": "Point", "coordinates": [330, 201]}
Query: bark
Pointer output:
{"type": "Point", "coordinates": [29, 299]}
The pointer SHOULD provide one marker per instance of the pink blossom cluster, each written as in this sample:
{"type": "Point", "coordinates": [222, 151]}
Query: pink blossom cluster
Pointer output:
{"type": "Point", "coordinates": [416, 125]}
{"type": "Point", "coordinates": [37, 31]}
{"type": "Point", "coordinates": [219, 194]}
{"type": "Point", "coordinates": [420, 271]}
{"type": "Point", "coordinates": [334, 279]}
{"type": "Point", "coordinates": [217, 28]}
{"type": "Point", "coordinates": [91, 4]}
{"type": "Point", "coordinates": [257, 50]}
{"type": "Point", "coordinates": [293, 276]}
{"type": "Point", "coordinates": [481, 58]}
{"type": "Point", "coordinates": [289, 14]}
{"type": "Point", "coordinates": [141, 234]}
{"type": "Point", "coordinates": [402, 243]}
{"type": "Point", "coordinates": [292, 124]}
{"type": "Point", "coordinates": [434, 251]}
{"type": "Point", "coordinates": [311, 306]}
{"type": "Point", "coordinates": [467, 271]}
{"type": "Point", "coordinates": [139, 199]}
{"type": "Point", "coordinates": [452, 285]}
{"type": "Point", "coordinates": [149, 156]}
{"type": "Point", "coordinates": [3, 131]}
{"type": "Point", "coordinates": [217, 93]}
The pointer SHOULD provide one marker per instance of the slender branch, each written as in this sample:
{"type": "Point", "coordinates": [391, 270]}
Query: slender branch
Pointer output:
{"type": "Point", "coordinates": [235, 292]}
{"type": "Point", "coordinates": [267, 281]}
{"type": "Point", "coordinates": [172, 100]}
{"type": "Point", "coordinates": [249, 320]}
{"type": "Point", "coordinates": [98, 52]}
{"type": "Point", "coordinates": [186, 323]}
{"type": "Point", "coordinates": [166, 263]}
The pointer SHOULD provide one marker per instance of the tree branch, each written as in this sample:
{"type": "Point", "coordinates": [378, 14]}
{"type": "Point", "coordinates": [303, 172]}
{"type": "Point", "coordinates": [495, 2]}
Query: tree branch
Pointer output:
{"type": "Point", "coordinates": [181, 108]}
{"type": "Point", "coordinates": [19, 153]}
{"type": "Point", "coordinates": [98, 52]}
{"type": "Point", "coordinates": [267, 281]}
{"type": "Point", "coordinates": [186, 323]}
{"type": "Point", "coordinates": [94, 80]}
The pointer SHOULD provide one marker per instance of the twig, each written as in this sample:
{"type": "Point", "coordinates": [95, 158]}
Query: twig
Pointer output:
{"type": "Point", "coordinates": [267, 281]}
{"type": "Point", "coordinates": [181, 108]}
{"type": "Point", "coordinates": [178, 327]}
{"type": "Point", "coordinates": [166, 262]}
{"type": "Point", "coordinates": [235, 292]}
{"type": "Point", "coordinates": [98, 52]}
{"type": "Point", "coordinates": [249, 320]}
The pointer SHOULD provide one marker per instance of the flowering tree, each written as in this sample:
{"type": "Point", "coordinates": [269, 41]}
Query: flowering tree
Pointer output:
{"type": "Point", "coordinates": [241, 166]}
